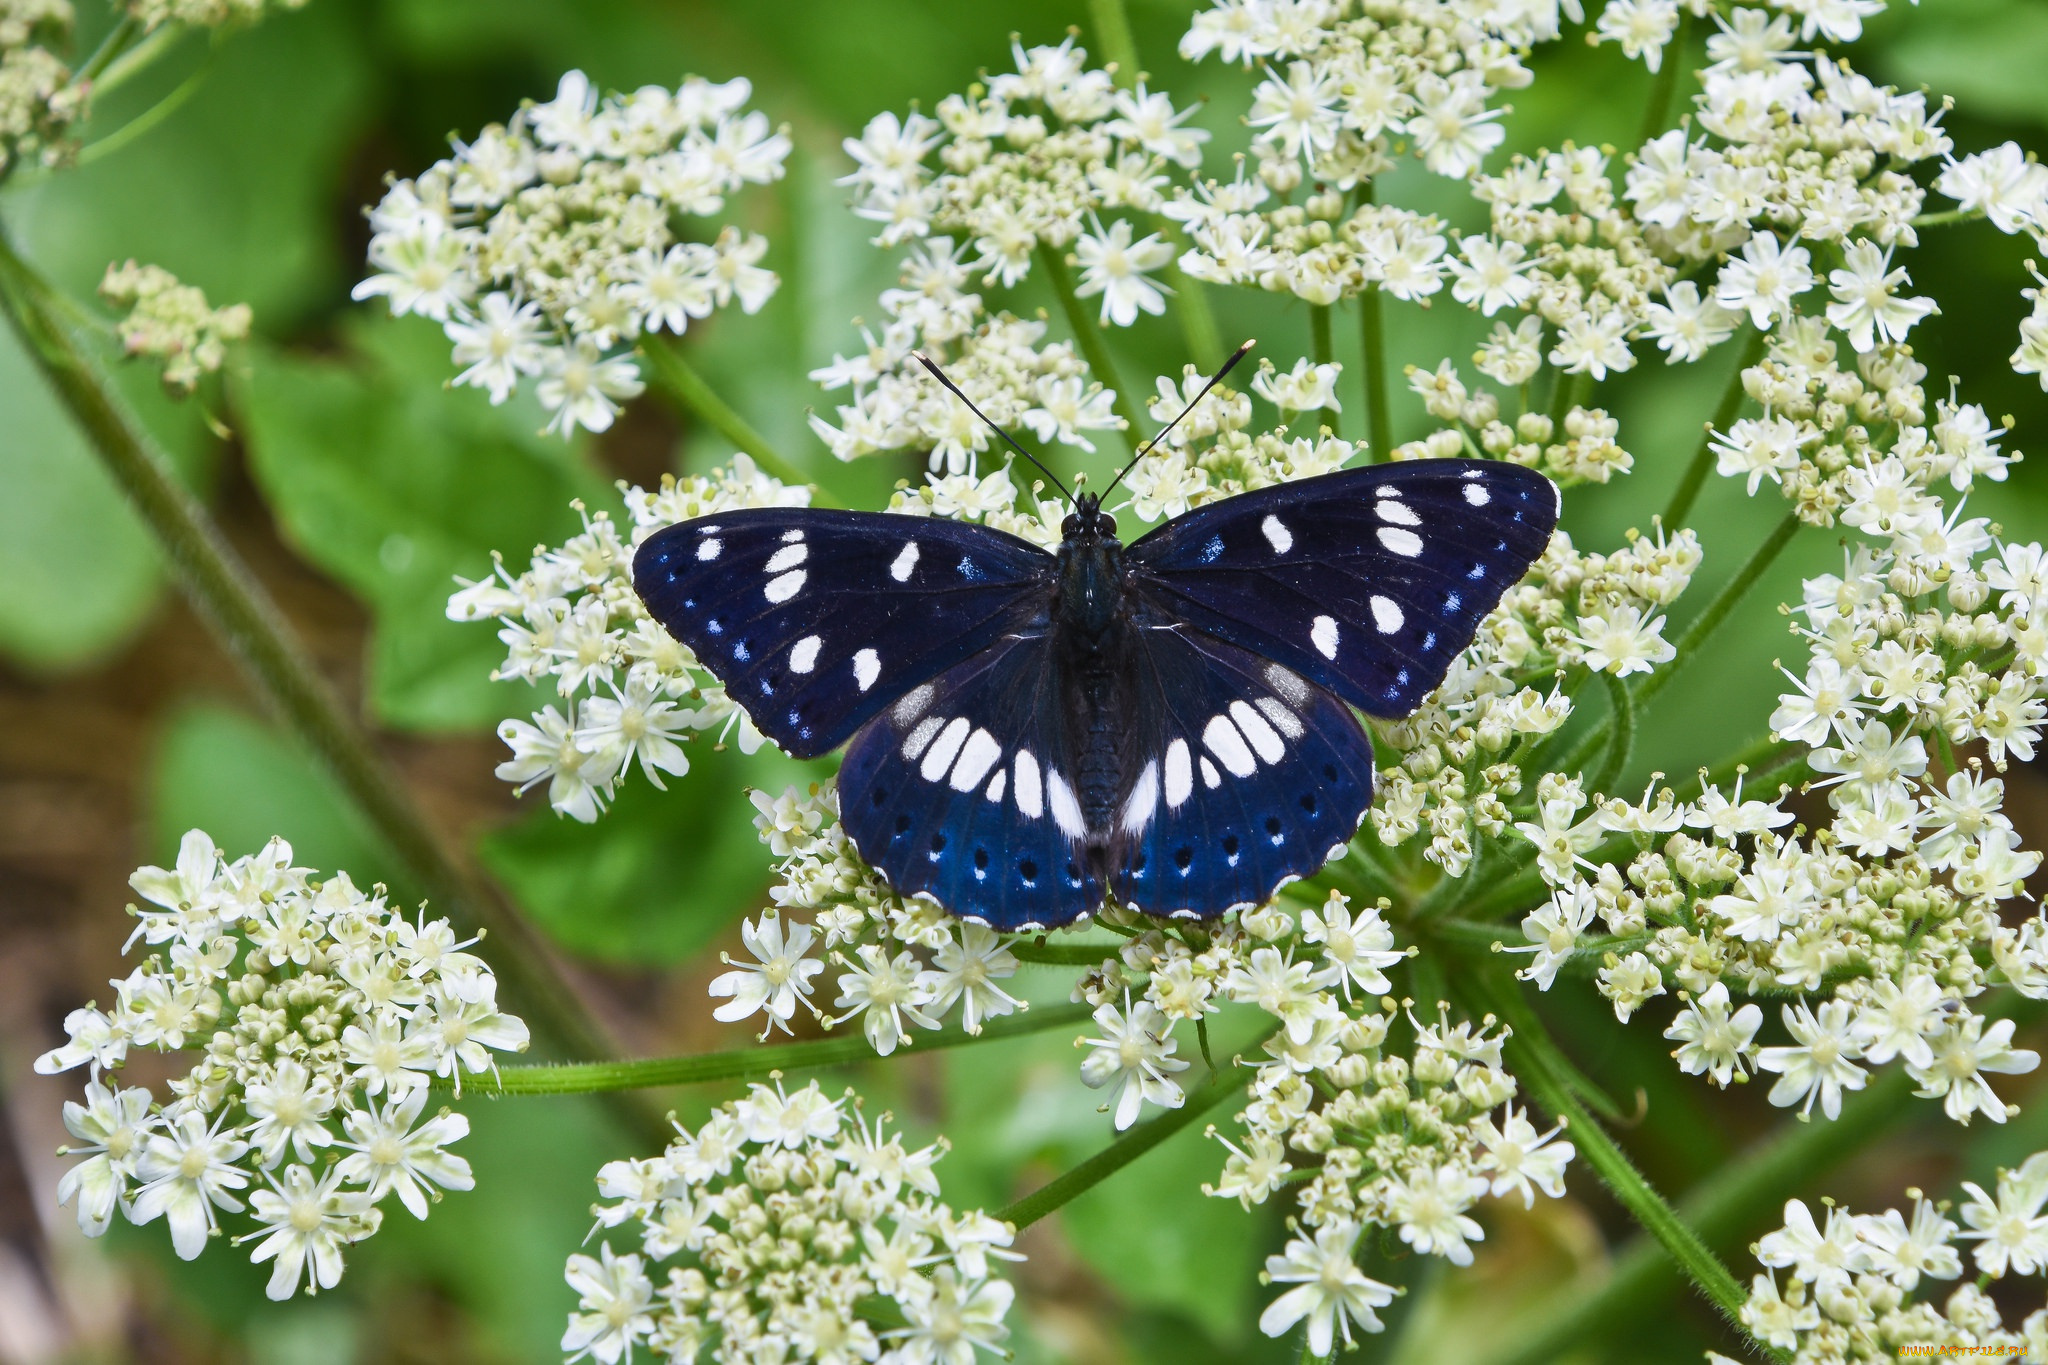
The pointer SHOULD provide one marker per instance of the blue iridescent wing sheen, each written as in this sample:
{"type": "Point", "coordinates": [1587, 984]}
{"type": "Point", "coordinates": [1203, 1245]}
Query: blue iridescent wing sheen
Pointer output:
{"type": "Point", "coordinates": [1242, 775]}
{"type": "Point", "coordinates": [815, 620]}
{"type": "Point", "coordinates": [964, 790]}
{"type": "Point", "coordinates": [1368, 582]}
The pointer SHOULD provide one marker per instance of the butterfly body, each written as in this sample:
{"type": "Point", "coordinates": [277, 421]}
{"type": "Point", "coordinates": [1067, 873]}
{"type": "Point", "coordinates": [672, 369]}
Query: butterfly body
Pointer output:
{"type": "Point", "coordinates": [1168, 722]}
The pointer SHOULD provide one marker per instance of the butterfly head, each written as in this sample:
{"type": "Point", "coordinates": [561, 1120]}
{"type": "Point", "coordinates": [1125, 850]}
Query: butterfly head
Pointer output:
{"type": "Point", "coordinates": [1088, 521]}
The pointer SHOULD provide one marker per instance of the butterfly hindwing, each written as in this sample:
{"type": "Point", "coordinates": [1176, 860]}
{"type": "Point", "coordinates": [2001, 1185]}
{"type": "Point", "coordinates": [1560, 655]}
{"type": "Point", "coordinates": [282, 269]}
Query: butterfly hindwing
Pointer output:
{"type": "Point", "coordinates": [815, 620]}
{"type": "Point", "coordinates": [1368, 582]}
{"type": "Point", "coordinates": [964, 790]}
{"type": "Point", "coordinates": [1243, 775]}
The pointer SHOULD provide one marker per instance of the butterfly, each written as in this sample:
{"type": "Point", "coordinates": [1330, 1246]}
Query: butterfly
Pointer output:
{"type": "Point", "coordinates": [1168, 723]}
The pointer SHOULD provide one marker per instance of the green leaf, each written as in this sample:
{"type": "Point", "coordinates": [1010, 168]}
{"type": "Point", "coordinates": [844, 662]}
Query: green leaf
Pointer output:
{"type": "Point", "coordinates": [219, 770]}
{"type": "Point", "coordinates": [394, 483]}
{"type": "Point", "coordinates": [659, 875]}
{"type": "Point", "coordinates": [1987, 53]}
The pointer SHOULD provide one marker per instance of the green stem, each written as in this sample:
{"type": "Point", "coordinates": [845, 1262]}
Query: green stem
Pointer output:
{"type": "Point", "coordinates": [1198, 330]}
{"type": "Point", "coordinates": [1372, 336]}
{"type": "Point", "coordinates": [1321, 349]}
{"type": "Point", "coordinates": [680, 381]}
{"type": "Point", "coordinates": [747, 1063]}
{"type": "Point", "coordinates": [1088, 336]}
{"type": "Point", "coordinates": [1664, 89]}
{"type": "Point", "coordinates": [1113, 36]}
{"type": "Point", "coordinates": [1065, 954]}
{"type": "Point", "coordinates": [244, 618]}
{"type": "Point", "coordinates": [146, 120]}
{"type": "Point", "coordinates": [1695, 476]}
{"type": "Point", "coordinates": [131, 60]}
{"type": "Point", "coordinates": [1946, 217]}
{"type": "Point", "coordinates": [117, 41]}
{"type": "Point", "coordinates": [1069, 1185]}
{"type": "Point", "coordinates": [1570, 391]}
{"type": "Point", "coordinates": [1621, 729]}
{"type": "Point", "coordinates": [1538, 1064]}
{"type": "Point", "coordinates": [1690, 644]}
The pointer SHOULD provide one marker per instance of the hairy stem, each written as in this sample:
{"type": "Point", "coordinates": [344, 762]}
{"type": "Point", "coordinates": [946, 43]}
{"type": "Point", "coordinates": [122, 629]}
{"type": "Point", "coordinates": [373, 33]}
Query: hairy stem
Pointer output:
{"type": "Point", "coordinates": [1538, 1064]}
{"type": "Point", "coordinates": [1690, 645]}
{"type": "Point", "coordinates": [1069, 1185]}
{"type": "Point", "coordinates": [1695, 476]}
{"type": "Point", "coordinates": [747, 1063]}
{"type": "Point", "coordinates": [1372, 337]}
{"type": "Point", "coordinates": [681, 384]}
{"type": "Point", "coordinates": [1064, 954]}
{"type": "Point", "coordinates": [243, 617]}
{"type": "Point", "coordinates": [1947, 217]}
{"type": "Point", "coordinates": [1621, 732]}
{"type": "Point", "coordinates": [1088, 336]}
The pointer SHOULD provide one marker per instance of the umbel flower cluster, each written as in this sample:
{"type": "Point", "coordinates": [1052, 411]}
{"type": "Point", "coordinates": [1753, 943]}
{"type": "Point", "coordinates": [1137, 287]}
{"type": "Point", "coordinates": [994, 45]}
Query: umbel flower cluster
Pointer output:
{"type": "Point", "coordinates": [777, 1221]}
{"type": "Point", "coordinates": [1876, 1286]}
{"type": "Point", "coordinates": [319, 1016]}
{"type": "Point", "coordinates": [547, 246]}
{"type": "Point", "coordinates": [171, 323]}
{"type": "Point", "coordinates": [38, 100]}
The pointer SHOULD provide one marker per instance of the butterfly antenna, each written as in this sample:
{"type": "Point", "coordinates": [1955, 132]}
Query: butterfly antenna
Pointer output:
{"type": "Point", "coordinates": [954, 389]}
{"type": "Point", "coordinates": [1239, 354]}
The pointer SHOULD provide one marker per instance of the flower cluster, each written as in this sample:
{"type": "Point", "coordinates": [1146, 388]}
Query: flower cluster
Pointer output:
{"type": "Point", "coordinates": [631, 692]}
{"type": "Point", "coordinates": [171, 323]}
{"type": "Point", "coordinates": [775, 1220]}
{"type": "Point", "coordinates": [205, 13]}
{"type": "Point", "coordinates": [1849, 1292]}
{"type": "Point", "coordinates": [319, 1014]}
{"type": "Point", "coordinates": [1213, 453]}
{"type": "Point", "coordinates": [38, 101]}
{"type": "Point", "coordinates": [548, 246]}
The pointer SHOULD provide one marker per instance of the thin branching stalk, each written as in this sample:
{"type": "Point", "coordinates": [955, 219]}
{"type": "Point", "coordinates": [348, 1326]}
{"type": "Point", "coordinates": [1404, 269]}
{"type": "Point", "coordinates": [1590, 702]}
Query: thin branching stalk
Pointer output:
{"type": "Point", "coordinates": [146, 120]}
{"type": "Point", "coordinates": [1372, 337]}
{"type": "Point", "coordinates": [1088, 336]}
{"type": "Point", "coordinates": [1539, 1065]}
{"type": "Point", "coordinates": [1702, 463]}
{"type": "Point", "coordinates": [1046, 954]}
{"type": "Point", "coordinates": [1660, 112]}
{"type": "Point", "coordinates": [1070, 1185]}
{"type": "Point", "coordinates": [679, 381]}
{"type": "Point", "coordinates": [1321, 349]}
{"type": "Point", "coordinates": [1691, 645]}
{"type": "Point", "coordinates": [1621, 733]}
{"type": "Point", "coordinates": [244, 618]}
{"type": "Point", "coordinates": [748, 1063]}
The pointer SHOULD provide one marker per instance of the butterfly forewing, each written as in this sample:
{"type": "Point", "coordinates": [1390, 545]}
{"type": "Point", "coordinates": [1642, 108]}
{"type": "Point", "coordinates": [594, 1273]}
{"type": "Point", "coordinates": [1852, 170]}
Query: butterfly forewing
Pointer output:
{"type": "Point", "coordinates": [1244, 775]}
{"type": "Point", "coordinates": [816, 620]}
{"type": "Point", "coordinates": [1368, 582]}
{"type": "Point", "coordinates": [964, 790]}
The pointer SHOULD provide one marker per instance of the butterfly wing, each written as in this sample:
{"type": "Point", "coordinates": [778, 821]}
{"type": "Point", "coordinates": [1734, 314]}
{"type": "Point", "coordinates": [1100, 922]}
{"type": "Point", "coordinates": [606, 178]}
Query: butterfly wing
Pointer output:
{"type": "Point", "coordinates": [964, 790]}
{"type": "Point", "coordinates": [1368, 582]}
{"type": "Point", "coordinates": [815, 620]}
{"type": "Point", "coordinates": [1243, 775]}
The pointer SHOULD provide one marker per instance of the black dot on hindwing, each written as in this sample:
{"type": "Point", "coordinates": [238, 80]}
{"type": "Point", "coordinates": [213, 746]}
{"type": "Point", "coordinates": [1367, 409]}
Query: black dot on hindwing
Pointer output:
{"type": "Point", "coordinates": [1308, 803]}
{"type": "Point", "coordinates": [1329, 772]}
{"type": "Point", "coordinates": [902, 825]}
{"type": "Point", "coordinates": [1273, 828]}
{"type": "Point", "coordinates": [879, 795]}
{"type": "Point", "coordinates": [938, 846]}
{"type": "Point", "coordinates": [1182, 858]}
{"type": "Point", "coordinates": [1073, 875]}
{"type": "Point", "coordinates": [1027, 872]}
{"type": "Point", "coordinates": [981, 860]}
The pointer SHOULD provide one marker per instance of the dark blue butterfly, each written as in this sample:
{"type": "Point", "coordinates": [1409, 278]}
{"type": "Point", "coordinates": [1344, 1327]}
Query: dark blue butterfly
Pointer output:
{"type": "Point", "coordinates": [1166, 723]}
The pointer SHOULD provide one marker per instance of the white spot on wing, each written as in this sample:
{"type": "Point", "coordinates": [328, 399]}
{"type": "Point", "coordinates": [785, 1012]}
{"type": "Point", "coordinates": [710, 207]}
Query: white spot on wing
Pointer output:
{"type": "Point", "coordinates": [867, 666]}
{"type": "Point", "coordinates": [1386, 614]}
{"type": "Point", "coordinates": [1143, 801]}
{"type": "Point", "coordinates": [940, 756]}
{"type": "Point", "coordinates": [913, 703]}
{"type": "Point", "coordinates": [1404, 543]}
{"type": "Point", "coordinates": [1030, 796]}
{"type": "Point", "coordinates": [1210, 777]}
{"type": "Point", "coordinates": [707, 550]}
{"type": "Point", "coordinates": [1476, 495]}
{"type": "Point", "coordinates": [977, 756]}
{"type": "Point", "coordinates": [1263, 736]}
{"type": "Point", "coordinates": [1288, 684]}
{"type": "Point", "coordinates": [914, 742]}
{"type": "Point", "coordinates": [1221, 738]}
{"type": "Point", "coordinates": [905, 561]}
{"type": "Point", "coordinates": [995, 785]}
{"type": "Point", "coordinates": [1277, 534]}
{"type": "Point", "coordinates": [1322, 633]}
{"type": "Point", "coordinates": [785, 587]}
{"type": "Point", "coordinates": [1180, 776]}
{"type": "Point", "coordinates": [1284, 720]}
{"type": "Point", "coordinates": [1066, 811]}
{"type": "Point", "coordinates": [1400, 513]}
{"type": "Point", "coordinates": [788, 557]}
{"type": "Point", "coordinates": [792, 537]}
{"type": "Point", "coordinates": [803, 656]}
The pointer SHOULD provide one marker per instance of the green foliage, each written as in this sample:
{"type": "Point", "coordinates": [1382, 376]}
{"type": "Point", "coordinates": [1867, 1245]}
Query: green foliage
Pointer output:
{"type": "Point", "coordinates": [394, 483]}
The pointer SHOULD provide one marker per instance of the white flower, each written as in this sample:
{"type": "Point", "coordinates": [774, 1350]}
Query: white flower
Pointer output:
{"type": "Point", "coordinates": [1430, 1207]}
{"type": "Point", "coordinates": [1491, 275]}
{"type": "Point", "coordinates": [188, 1169]}
{"type": "Point", "coordinates": [1962, 1053]}
{"type": "Point", "coordinates": [2010, 1232]}
{"type": "Point", "coordinates": [1330, 1291]}
{"type": "Point", "coordinates": [779, 976]}
{"type": "Point", "coordinates": [1453, 129]}
{"type": "Point", "coordinates": [115, 1125]}
{"type": "Point", "coordinates": [1902, 1254]}
{"type": "Point", "coordinates": [886, 992]}
{"type": "Point", "coordinates": [310, 1222]}
{"type": "Point", "coordinates": [583, 388]}
{"type": "Point", "coordinates": [499, 344]}
{"type": "Point", "coordinates": [1149, 120]}
{"type": "Point", "coordinates": [1827, 1260]}
{"type": "Point", "coordinates": [1713, 1040]}
{"type": "Point", "coordinates": [288, 1107]}
{"type": "Point", "coordinates": [1553, 930]}
{"type": "Point", "coordinates": [1299, 114]}
{"type": "Point", "coordinates": [951, 1320]}
{"type": "Point", "coordinates": [1618, 639]}
{"type": "Point", "coordinates": [1867, 306]}
{"type": "Point", "coordinates": [1821, 1063]}
{"type": "Point", "coordinates": [1763, 280]}
{"type": "Point", "coordinates": [1521, 1160]}
{"type": "Point", "coordinates": [613, 1297]}
{"type": "Point", "coordinates": [387, 1152]}
{"type": "Point", "coordinates": [1688, 324]}
{"type": "Point", "coordinates": [966, 968]}
{"type": "Point", "coordinates": [637, 722]}
{"type": "Point", "coordinates": [92, 1037]}
{"type": "Point", "coordinates": [1642, 27]}
{"type": "Point", "coordinates": [2005, 184]}
{"type": "Point", "coordinates": [1305, 388]}
{"type": "Point", "coordinates": [1115, 267]}
{"type": "Point", "coordinates": [1135, 1053]}
{"type": "Point", "coordinates": [1356, 949]}
{"type": "Point", "coordinates": [422, 270]}
{"type": "Point", "coordinates": [579, 780]}
{"type": "Point", "coordinates": [775, 1118]}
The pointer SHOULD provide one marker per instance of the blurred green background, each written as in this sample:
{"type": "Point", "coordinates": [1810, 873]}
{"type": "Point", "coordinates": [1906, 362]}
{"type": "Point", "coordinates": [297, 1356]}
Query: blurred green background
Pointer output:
{"type": "Point", "coordinates": [358, 484]}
